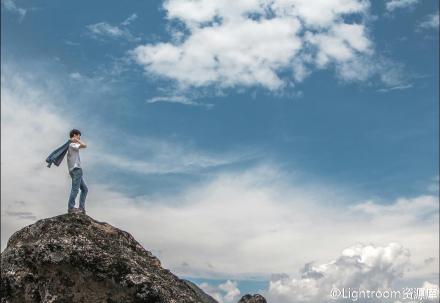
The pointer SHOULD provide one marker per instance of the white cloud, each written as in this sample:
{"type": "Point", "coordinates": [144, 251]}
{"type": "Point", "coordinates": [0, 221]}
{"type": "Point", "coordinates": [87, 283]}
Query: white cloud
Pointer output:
{"type": "Point", "coordinates": [224, 293]}
{"type": "Point", "coordinates": [430, 22]}
{"type": "Point", "coordinates": [338, 44]}
{"type": "Point", "coordinates": [71, 43]}
{"type": "Point", "coordinates": [231, 290]}
{"type": "Point", "coordinates": [392, 5]}
{"type": "Point", "coordinates": [104, 29]}
{"type": "Point", "coordinates": [107, 30]}
{"type": "Point", "coordinates": [76, 76]}
{"type": "Point", "coordinates": [392, 75]}
{"type": "Point", "coordinates": [253, 42]}
{"type": "Point", "coordinates": [165, 157]}
{"type": "Point", "coordinates": [429, 292]}
{"type": "Point", "coordinates": [129, 20]}
{"type": "Point", "coordinates": [360, 268]}
{"type": "Point", "coordinates": [11, 6]}
{"type": "Point", "coordinates": [317, 13]}
{"type": "Point", "coordinates": [398, 87]}
{"type": "Point", "coordinates": [245, 53]}
{"type": "Point", "coordinates": [419, 207]}
{"type": "Point", "coordinates": [177, 99]}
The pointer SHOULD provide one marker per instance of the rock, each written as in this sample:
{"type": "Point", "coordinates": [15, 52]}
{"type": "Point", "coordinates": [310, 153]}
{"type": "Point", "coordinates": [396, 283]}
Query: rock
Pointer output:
{"type": "Point", "coordinates": [74, 258]}
{"type": "Point", "coordinates": [252, 299]}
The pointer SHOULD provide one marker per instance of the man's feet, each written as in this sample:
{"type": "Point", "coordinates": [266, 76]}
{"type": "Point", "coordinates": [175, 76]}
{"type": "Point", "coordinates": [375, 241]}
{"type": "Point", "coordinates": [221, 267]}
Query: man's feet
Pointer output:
{"type": "Point", "coordinates": [73, 210]}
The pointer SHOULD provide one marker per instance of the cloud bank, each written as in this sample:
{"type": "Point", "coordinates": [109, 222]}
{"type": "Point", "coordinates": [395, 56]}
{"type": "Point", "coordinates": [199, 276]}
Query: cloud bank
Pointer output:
{"type": "Point", "coordinates": [359, 268]}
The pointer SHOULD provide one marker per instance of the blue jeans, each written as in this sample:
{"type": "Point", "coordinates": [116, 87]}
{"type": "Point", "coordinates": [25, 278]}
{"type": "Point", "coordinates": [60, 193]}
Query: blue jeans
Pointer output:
{"type": "Point", "coordinates": [77, 183]}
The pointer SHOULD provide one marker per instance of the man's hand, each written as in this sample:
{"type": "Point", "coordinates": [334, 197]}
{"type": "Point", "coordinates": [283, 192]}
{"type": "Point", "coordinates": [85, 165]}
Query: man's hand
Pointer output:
{"type": "Point", "coordinates": [82, 144]}
{"type": "Point", "coordinates": [76, 140]}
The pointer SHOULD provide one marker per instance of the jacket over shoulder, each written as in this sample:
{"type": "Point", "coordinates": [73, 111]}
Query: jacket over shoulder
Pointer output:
{"type": "Point", "coordinates": [57, 156]}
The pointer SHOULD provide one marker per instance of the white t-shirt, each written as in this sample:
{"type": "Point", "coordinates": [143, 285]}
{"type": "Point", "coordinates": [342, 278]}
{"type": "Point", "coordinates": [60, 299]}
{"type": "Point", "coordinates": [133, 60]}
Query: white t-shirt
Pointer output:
{"type": "Point", "coordinates": [73, 159]}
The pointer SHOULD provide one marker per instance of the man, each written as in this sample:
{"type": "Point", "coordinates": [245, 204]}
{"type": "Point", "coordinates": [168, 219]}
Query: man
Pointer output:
{"type": "Point", "coordinates": [75, 171]}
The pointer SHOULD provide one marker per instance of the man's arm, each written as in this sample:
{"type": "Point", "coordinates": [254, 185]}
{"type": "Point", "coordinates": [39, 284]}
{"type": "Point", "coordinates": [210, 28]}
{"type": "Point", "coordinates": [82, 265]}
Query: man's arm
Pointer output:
{"type": "Point", "coordinates": [81, 143]}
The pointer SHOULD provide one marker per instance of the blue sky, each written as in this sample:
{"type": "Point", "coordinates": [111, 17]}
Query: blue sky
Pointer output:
{"type": "Point", "coordinates": [335, 102]}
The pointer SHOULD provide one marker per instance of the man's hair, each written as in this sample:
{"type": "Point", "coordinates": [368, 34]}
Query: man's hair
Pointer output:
{"type": "Point", "coordinates": [74, 132]}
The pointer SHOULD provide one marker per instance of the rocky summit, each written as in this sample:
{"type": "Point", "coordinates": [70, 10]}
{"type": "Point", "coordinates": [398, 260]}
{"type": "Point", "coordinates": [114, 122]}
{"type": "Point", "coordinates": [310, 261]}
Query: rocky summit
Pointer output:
{"type": "Point", "coordinates": [74, 258]}
{"type": "Point", "coordinates": [252, 299]}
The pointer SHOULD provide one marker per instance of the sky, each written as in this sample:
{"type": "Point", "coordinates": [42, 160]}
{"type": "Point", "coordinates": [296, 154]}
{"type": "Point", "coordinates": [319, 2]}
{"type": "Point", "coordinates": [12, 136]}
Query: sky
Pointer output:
{"type": "Point", "coordinates": [275, 146]}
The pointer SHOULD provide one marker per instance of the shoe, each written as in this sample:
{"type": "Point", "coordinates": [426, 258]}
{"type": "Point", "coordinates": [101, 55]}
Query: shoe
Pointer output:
{"type": "Point", "coordinates": [72, 210]}
{"type": "Point", "coordinates": [81, 210]}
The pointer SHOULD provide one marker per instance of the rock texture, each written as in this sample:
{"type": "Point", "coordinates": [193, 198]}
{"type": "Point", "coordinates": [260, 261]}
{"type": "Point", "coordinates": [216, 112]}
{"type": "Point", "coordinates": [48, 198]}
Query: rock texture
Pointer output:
{"type": "Point", "coordinates": [206, 298]}
{"type": "Point", "coordinates": [74, 258]}
{"type": "Point", "coordinates": [252, 299]}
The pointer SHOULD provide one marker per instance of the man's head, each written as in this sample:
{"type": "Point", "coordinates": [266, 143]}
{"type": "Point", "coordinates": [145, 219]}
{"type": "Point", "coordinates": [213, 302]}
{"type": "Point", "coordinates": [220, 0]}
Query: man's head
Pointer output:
{"type": "Point", "coordinates": [74, 133]}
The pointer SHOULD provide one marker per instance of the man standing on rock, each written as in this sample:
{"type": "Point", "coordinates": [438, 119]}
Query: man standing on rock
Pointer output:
{"type": "Point", "coordinates": [75, 171]}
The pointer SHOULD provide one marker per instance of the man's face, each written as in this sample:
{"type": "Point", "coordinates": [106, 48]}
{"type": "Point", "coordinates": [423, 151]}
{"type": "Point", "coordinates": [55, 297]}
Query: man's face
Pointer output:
{"type": "Point", "coordinates": [77, 137]}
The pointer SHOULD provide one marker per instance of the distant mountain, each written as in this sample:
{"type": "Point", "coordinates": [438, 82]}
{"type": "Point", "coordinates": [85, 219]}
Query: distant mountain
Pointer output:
{"type": "Point", "coordinates": [206, 298]}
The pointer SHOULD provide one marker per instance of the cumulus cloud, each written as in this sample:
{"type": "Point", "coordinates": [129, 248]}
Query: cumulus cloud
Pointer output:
{"type": "Point", "coordinates": [224, 293]}
{"type": "Point", "coordinates": [392, 5]}
{"type": "Point", "coordinates": [360, 267]}
{"type": "Point", "coordinates": [258, 42]}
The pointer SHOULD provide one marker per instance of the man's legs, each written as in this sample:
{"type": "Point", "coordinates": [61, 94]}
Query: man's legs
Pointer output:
{"type": "Point", "coordinates": [76, 175]}
{"type": "Point", "coordinates": [84, 190]}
